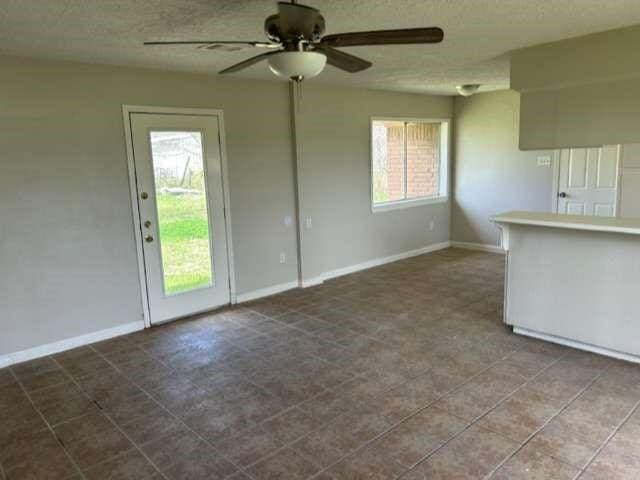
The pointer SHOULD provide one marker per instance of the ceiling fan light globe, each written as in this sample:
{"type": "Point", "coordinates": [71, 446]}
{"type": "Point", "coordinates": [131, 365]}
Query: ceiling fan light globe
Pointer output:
{"type": "Point", "coordinates": [297, 64]}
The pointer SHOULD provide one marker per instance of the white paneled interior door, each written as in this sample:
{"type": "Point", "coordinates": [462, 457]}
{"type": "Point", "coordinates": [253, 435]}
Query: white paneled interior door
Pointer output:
{"type": "Point", "coordinates": [588, 181]}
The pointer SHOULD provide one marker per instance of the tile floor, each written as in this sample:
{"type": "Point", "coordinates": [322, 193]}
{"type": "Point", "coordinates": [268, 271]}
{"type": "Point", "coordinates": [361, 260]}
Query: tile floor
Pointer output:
{"type": "Point", "coordinates": [403, 371]}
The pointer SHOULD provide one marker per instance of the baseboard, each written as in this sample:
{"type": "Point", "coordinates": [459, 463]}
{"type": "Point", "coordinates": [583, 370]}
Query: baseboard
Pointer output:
{"type": "Point", "coordinates": [576, 344]}
{"type": "Point", "coordinates": [62, 345]}
{"type": "Point", "coordinates": [373, 263]}
{"type": "Point", "coordinates": [311, 282]}
{"type": "Point", "coordinates": [69, 343]}
{"type": "Point", "coordinates": [481, 247]}
{"type": "Point", "coordinates": [265, 292]}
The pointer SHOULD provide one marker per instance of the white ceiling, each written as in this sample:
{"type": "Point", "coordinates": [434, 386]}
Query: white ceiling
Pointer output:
{"type": "Point", "coordinates": [478, 34]}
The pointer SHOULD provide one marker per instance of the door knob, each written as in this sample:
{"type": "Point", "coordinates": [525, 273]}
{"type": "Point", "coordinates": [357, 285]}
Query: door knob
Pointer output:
{"type": "Point", "coordinates": [144, 195]}
{"type": "Point", "coordinates": [563, 195]}
{"type": "Point", "coordinates": [147, 224]}
{"type": "Point", "coordinates": [148, 238]}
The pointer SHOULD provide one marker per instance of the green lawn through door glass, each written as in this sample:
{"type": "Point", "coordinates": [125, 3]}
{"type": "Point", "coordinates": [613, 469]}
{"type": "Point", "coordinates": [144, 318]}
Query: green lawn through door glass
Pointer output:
{"type": "Point", "coordinates": [183, 222]}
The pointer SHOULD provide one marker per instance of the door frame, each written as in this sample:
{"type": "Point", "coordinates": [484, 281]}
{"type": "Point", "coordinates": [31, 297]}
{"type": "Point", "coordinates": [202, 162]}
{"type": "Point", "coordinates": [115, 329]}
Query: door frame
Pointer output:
{"type": "Point", "coordinates": [555, 188]}
{"type": "Point", "coordinates": [127, 110]}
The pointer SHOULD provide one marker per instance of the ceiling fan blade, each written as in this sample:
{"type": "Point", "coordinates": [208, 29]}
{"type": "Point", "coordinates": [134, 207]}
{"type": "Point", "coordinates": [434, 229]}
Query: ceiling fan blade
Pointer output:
{"type": "Point", "coordinates": [385, 37]}
{"type": "Point", "coordinates": [299, 20]}
{"type": "Point", "coordinates": [344, 61]}
{"type": "Point", "coordinates": [247, 63]}
{"type": "Point", "coordinates": [215, 42]}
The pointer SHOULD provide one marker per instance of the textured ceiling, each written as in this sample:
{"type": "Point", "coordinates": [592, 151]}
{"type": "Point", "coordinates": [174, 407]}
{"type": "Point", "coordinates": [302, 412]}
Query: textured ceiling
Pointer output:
{"type": "Point", "coordinates": [478, 34]}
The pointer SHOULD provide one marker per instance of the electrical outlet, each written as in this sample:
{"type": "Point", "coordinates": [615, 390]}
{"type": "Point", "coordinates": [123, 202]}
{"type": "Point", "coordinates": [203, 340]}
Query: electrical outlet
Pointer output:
{"type": "Point", "coordinates": [283, 258]}
{"type": "Point", "coordinates": [432, 225]}
{"type": "Point", "coordinates": [544, 161]}
{"type": "Point", "coordinates": [309, 223]}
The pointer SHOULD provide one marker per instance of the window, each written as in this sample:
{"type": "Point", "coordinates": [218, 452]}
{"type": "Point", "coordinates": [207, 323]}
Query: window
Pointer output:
{"type": "Point", "coordinates": [409, 162]}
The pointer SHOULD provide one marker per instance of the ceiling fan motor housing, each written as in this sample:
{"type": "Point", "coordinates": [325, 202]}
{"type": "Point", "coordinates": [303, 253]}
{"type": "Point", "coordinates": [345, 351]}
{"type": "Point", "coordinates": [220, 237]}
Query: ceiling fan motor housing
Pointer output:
{"type": "Point", "coordinates": [294, 23]}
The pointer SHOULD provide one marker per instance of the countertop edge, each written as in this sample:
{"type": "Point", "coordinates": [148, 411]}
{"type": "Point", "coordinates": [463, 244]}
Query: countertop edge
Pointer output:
{"type": "Point", "coordinates": [569, 225]}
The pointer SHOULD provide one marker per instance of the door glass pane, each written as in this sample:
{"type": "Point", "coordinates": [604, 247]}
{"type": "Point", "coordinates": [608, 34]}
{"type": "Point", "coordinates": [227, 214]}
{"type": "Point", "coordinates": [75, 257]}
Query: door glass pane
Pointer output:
{"type": "Point", "coordinates": [388, 161]}
{"type": "Point", "coordinates": [181, 199]}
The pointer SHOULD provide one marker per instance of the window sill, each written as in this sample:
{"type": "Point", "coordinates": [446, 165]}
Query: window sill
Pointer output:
{"type": "Point", "coordinates": [385, 207]}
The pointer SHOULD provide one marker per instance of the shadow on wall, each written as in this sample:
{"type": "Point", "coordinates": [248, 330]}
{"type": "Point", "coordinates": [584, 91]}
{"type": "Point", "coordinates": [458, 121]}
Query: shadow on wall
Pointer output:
{"type": "Point", "coordinates": [491, 174]}
{"type": "Point", "coordinates": [468, 224]}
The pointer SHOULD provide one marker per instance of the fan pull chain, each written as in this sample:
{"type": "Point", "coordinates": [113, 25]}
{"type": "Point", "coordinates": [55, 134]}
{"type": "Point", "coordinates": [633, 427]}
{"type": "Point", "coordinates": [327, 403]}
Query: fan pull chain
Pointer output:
{"type": "Point", "coordinates": [297, 88]}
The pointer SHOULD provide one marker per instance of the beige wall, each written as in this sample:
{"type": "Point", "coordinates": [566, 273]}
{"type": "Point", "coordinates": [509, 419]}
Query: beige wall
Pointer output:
{"type": "Point", "coordinates": [579, 92]}
{"type": "Point", "coordinates": [582, 116]}
{"type": "Point", "coordinates": [67, 250]}
{"type": "Point", "coordinates": [584, 92]}
{"type": "Point", "coordinates": [596, 58]}
{"type": "Point", "coordinates": [630, 181]}
{"type": "Point", "coordinates": [491, 175]}
{"type": "Point", "coordinates": [335, 181]}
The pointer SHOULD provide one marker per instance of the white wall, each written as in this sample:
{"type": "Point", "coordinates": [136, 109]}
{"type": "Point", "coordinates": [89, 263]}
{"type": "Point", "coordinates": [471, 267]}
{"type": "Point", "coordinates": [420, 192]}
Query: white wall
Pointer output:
{"type": "Point", "coordinates": [491, 174]}
{"type": "Point", "coordinates": [333, 134]}
{"type": "Point", "coordinates": [67, 250]}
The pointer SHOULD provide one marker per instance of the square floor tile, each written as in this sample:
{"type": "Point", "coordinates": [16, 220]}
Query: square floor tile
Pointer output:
{"type": "Point", "coordinates": [613, 463]}
{"type": "Point", "coordinates": [127, 466]}
{"type": "Point", "coordinates": [97, 448]}
{"type": "Point", "coordinates": [563, 443]}
{"type": "Point", "coordinates": [201, 463]}
{"type": "Point", "coordinates": [472, 454]}
{"type": "Point", "coordinates": [418, 436]}
{"type": "Point", "coordinates": [284, 464]}
{"type": "Point", "coordinates": [530, 463]}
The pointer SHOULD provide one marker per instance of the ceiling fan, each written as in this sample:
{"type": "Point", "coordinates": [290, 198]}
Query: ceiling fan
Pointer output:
{"type": "Point", "coordinates": [297, 49]}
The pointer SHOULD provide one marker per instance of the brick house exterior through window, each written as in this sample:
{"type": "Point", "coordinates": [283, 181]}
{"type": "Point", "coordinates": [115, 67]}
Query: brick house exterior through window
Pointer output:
{"type": "Point", "coordinates": [409, 162]}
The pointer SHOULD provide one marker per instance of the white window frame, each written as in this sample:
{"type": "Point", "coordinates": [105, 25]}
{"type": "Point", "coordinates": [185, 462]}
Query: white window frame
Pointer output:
{"type": "Point", "coordinates": [443, 170]}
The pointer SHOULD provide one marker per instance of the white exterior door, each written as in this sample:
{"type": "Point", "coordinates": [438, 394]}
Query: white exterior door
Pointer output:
{"type": "Point", "coordinates": [179, 185]}
{"type": "Point", "coordinates": [588, 181]}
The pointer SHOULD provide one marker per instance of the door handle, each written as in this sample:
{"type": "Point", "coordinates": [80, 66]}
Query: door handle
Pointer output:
{"type": "Point", "coordinates": [148, 238]}
{"type": "Point", "coordinates": [563, 195]}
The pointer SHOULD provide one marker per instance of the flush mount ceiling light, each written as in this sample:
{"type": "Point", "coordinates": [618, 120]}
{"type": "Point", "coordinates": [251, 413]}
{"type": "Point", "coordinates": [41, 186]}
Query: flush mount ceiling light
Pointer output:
{"type": "Point", "coordinates": [297, 65]}
{"type": "Point", "coordinates": [468, 89]}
